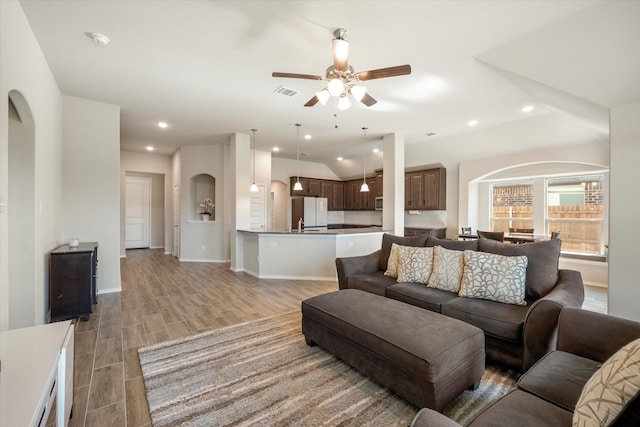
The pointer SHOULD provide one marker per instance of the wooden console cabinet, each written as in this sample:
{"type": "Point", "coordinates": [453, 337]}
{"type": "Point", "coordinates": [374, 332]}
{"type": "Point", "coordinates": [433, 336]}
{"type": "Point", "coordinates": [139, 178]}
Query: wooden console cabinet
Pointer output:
{"type": "Point", "coordinates": [73, 281]}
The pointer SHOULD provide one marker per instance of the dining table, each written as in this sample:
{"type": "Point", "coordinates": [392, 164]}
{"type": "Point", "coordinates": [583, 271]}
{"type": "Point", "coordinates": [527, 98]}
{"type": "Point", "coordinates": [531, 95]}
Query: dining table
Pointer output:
{"type": "Point", "coordinates": [513, 237]}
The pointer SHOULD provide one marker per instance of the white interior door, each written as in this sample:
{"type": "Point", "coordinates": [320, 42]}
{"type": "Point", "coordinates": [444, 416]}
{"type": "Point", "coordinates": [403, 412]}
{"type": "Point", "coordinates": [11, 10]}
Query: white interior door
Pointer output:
{"type": "Point", "coordinates": [137, 212]}
{"type": "Point", "coordinates": [176, 221]}
{"type": "Point", "coordinates": [258, 209]}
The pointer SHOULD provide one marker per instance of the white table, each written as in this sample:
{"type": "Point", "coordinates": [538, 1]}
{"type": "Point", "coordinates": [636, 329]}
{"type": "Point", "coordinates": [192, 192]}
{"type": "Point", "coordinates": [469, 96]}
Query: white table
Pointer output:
{"type": "Point", "coordinates": [37, 365]}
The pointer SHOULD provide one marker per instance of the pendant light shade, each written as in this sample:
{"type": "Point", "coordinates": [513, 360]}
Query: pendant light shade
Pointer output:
{"type": "Point", "coordinates": [254, 187]}
{"type": "Point", "coordinates": [364, 188]}
{"type": "Point", "coordinates": [298, 186]}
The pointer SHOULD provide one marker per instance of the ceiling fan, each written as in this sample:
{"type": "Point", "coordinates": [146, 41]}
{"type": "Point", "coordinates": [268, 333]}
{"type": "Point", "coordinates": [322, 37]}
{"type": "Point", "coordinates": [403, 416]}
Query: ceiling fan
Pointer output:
{"type": "Point", "coordinates": [341, 78]}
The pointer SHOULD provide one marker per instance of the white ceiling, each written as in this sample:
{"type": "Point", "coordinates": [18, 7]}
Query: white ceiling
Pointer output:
{"type": "Point", "coordinates": [205, 67]}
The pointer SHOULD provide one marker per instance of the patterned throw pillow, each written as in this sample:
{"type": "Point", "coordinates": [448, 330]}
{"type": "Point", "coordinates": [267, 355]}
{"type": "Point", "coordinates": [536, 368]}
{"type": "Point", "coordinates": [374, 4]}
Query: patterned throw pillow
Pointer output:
{"type": "Point", "coordinates": [494, 277]}
{"type": "Point", "coordinates": [414, 264]}
{"type": "Point", "coordinates": [392, 262]}
{"type": "Point", "coordinates": [447, 269]}
{"type": "Point", "coordinates": [610, 389]}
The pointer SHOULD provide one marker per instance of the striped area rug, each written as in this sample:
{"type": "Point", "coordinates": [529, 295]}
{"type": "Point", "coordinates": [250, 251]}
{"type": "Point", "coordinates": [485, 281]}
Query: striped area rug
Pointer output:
{"type": "Point", "coordinates": [263, 373]}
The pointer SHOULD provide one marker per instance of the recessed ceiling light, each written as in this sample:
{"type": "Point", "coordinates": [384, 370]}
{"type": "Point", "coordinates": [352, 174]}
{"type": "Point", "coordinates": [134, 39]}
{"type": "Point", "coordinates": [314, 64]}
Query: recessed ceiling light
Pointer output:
{"type": "Point", "coordinates": [276, 149]}
{"type": "Point", "coordinates": [527, 108]}
{"type": "Point", "coordinates": [472, 122]}
{"type": "Point", "coordinates": [307, 137]}
{"type": "Point", "coordinates": [340, 159]}
{"type": "Point", "coordinates": [375, 150]}
{"type": "Point", "coordinates": [163, 125]}
{"type": "Point", "coordinates": [150, 148]}
{"type": "Point", "coordinates": [99, 39]}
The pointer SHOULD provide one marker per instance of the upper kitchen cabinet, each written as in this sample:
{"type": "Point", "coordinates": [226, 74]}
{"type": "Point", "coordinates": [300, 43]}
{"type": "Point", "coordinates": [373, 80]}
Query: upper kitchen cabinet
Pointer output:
{"type": "Point", "coordinates": [426, 190]}
{"type": "Point", "coordinates": [310, 187]}
{"type": "Point", "coordinates": [336, 201]}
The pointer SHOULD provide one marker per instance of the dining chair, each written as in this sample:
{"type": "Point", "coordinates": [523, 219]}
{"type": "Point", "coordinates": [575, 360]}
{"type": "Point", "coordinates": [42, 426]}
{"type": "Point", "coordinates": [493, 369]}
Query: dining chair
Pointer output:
{"type": "Point", "coordinates": [521, 230]}
{"type": "Point", "coordinates": [493, 235]}
{"type": "Point", "coordinates": [555, 235]}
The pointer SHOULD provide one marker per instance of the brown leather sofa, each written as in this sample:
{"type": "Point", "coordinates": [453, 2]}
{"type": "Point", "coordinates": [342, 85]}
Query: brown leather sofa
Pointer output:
{"type": "Point", "coordinates": [515, 336]}
{"type": "Point", "coordinates": [547, 394]}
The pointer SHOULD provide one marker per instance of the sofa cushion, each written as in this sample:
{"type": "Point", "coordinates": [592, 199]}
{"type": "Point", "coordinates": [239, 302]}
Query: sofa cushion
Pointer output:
{"type": "Point", "coordinates": [611, 388]}
{"type": "Point", "coordinates": [542, 266]}
{"type": "Point", "coordinates": [456, 245]}
{"type": "Point", "coordinates": [447, 269]}
{"type": "Point", "coordinates": [494, 277]}
{"type": "Point", "coordinates": [522, 409]}
{"type": "Point", "coordinates": [389, 239]}
{"type": "Point", "coordinates": [494, 318]}
{"type": "Point", "coordinates": [414, 264]}
{"type": "Point", "coordinates": [568, 370]}
{"type": "Point", "coordinates": [420, 295]}
{"type": "Point", "coordinates": [375, 283]}
{"type": "Point", "coordinates": [392, 261]}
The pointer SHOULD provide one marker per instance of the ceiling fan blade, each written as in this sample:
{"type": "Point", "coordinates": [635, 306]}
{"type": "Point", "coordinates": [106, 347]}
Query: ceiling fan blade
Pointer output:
{"type": "Point", "coordinates": [381, 73]}
{"type": "Point", "coordinates": [340, 54]}
{"type": "Point", "coordinates": [297, 76]}
{"type": "Point", "coordinates": [368, 100]}
{"type": "Point", "coordinates": [313, 101]}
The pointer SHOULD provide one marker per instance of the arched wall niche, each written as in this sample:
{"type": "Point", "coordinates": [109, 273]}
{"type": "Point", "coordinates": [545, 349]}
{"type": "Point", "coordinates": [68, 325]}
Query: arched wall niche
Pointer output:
{"type": "Point", "coordinates": [27, 300]}
{"type": "Point", "coordinates": [202, 189]}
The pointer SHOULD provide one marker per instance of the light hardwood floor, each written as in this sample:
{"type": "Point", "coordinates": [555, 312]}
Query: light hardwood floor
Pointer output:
{"type": "Point", "coordinates": [164, 299]}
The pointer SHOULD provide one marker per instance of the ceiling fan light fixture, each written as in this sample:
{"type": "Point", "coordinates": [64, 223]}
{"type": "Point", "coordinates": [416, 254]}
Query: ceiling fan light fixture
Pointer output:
{"type": "Point", "coordinates": [344, 103]}
{"type": "Point", "coordinates": [323, 96]}
{"type": "Point", "coordinates": [336, 87]}
{"type": "Point", "coordinates": [358, 92]}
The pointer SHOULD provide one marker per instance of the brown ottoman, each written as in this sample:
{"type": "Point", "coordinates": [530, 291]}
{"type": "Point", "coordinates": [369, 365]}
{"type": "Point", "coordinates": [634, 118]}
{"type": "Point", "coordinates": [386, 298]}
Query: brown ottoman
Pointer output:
{"type": "Point", "coordinates": [425, 357]}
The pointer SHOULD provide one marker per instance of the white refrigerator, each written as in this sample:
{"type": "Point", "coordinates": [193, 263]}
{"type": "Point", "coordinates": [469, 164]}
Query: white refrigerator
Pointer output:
{"type": "Point", "coordinates": [312, 210]}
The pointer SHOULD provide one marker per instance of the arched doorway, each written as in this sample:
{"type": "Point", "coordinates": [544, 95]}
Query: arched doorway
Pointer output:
{"type": "Point", "coordinates": [21, 210]}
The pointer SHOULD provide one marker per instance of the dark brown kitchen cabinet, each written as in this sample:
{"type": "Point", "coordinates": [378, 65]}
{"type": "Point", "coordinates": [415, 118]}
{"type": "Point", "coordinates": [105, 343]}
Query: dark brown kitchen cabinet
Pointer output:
{"type": "Point", "coordinates": [315, 188]}
{"type": "Point", "coordinates": [326, 189]}
{"type": "Point", "coordinates": [336, 202]}
{"type": "Point", "coordinates": [440, 233]}
{"type": "Point", "coordinates": [425, 190]}
{"type": "Point", "coordinates": [73, 281]}
{"type": "Point", "coordinates": [378, 192]}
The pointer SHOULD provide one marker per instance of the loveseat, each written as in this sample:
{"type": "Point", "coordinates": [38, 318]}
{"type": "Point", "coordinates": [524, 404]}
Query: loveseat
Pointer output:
{"type": "Point", "coordinates": [593, 378]}
{"type": "Point", "coordinates": [515, 335]}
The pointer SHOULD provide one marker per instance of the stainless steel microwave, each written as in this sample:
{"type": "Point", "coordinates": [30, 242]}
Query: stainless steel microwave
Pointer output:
{"type": "Point", "coordinates": [378, 203]}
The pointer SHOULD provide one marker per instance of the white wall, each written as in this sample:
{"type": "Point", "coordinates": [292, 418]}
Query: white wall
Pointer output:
{"type": "Point", "coordinates": [154, 164]}
{"type": "Point", "coordinates": [91, 182]}
{"type": "Point", "coordinates": [624, 292]}
{"type": "Point", "coordinates": [282, 169]}
{"type": "Point", "coordinates": [202, 240]}
{"type": "Point", "coordinates": [23, 68]}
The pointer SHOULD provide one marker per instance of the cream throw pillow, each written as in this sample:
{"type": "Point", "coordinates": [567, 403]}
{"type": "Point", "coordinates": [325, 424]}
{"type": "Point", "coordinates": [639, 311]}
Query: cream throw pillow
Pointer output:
{"type": "Point", "coordinates": [494, 277]}
{"type": "Point", "coordinates": [610, 389]}
{"type": "Point", "coordinates": [392, 262]}
{"type": "Point", "coordinates": [447, 269]}
{"type": "Point", "coordinates": [414, 264]}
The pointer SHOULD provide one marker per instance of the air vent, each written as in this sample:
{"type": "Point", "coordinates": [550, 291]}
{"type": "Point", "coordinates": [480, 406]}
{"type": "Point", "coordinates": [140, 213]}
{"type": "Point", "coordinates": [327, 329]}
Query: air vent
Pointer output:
{"type": "Point", "coordinates": [305, 154]}
{"type": "Point", "coordinates": [286, 91]}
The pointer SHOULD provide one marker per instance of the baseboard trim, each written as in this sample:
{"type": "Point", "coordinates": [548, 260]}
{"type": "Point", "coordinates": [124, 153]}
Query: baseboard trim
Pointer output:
{"type": "Point", "coordinates": [202, 260]}
{"type": "Point", "coordinates": [282, 277]}
{"type": "Point", "coordinates": [109, 291]}
{"type": "Point", "coordinates": [596, 284]}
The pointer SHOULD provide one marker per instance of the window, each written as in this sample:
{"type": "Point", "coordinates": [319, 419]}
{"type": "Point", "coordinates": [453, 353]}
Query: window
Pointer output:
{"type": "Point", "coordinates": [575, 208]}
{"type": "Point", "coordinates": [512, 206]}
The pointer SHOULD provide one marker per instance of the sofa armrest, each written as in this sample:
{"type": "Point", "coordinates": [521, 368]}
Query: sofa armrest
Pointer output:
{"type": "Point", "coordinates": [351, 266]}
{"type": "Point", "coordinates": [592, 335]}
{"type": "Point", "coordinates": [429, 418]}
{"type": "Point", "coordinates": [541, 322]}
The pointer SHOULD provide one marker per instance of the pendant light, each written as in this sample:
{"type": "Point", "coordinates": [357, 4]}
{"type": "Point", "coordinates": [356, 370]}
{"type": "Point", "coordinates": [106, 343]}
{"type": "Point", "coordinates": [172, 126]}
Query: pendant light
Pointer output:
{"type": "Point", "coordinates": [254, 187]}
{"type": "Point", "coordinates": [297, 186]}
{"type": "Point", "coordinates": [364, 188]}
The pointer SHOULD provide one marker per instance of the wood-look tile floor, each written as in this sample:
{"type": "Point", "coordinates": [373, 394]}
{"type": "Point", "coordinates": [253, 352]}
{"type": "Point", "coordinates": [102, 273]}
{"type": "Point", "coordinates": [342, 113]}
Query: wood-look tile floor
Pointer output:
{"type": "Point", "coordinates": [164, 299]}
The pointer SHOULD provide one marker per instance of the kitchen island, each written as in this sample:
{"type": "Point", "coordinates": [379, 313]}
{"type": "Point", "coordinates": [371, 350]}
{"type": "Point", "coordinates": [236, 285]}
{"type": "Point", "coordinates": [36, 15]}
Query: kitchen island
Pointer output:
{"type": "Point", "coordinates": [305, 255]}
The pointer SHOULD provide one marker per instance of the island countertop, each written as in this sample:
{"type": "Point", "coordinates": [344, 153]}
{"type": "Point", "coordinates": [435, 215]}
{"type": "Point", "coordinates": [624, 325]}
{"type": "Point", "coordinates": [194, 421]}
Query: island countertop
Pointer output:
{"type": "Point", "coordinates": [325, 232]}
